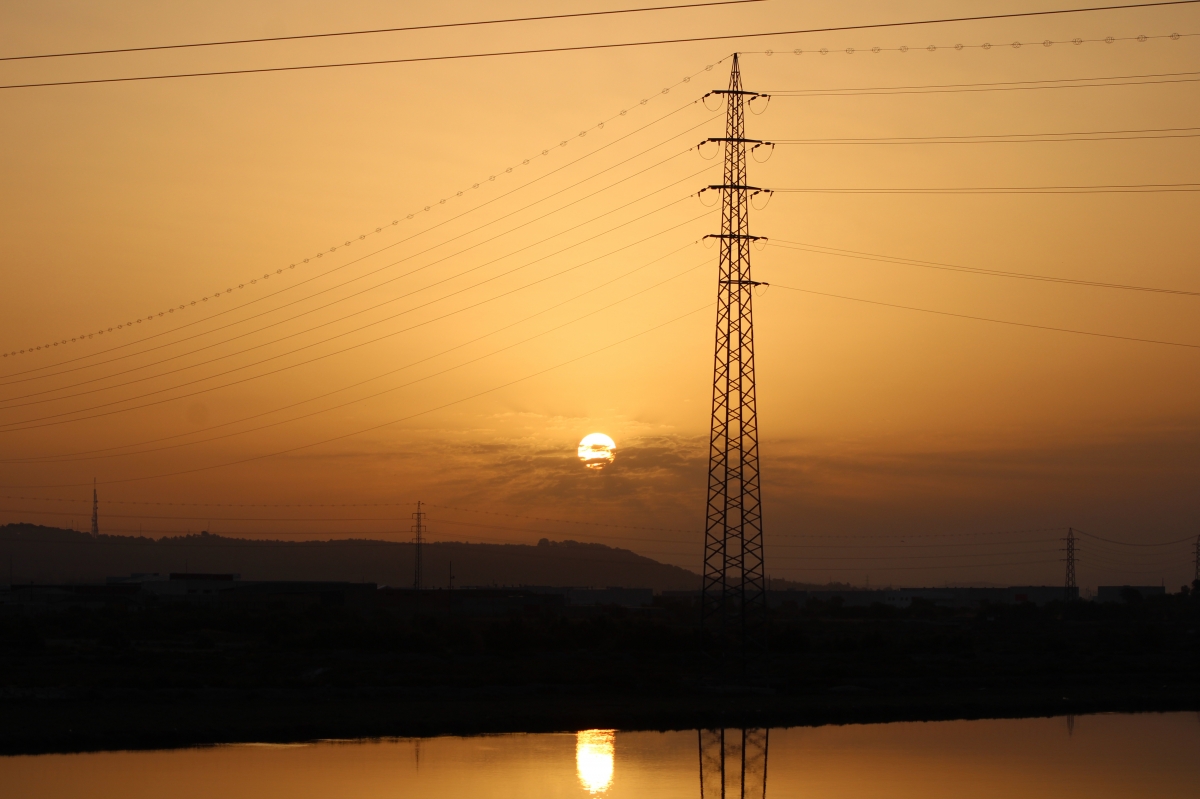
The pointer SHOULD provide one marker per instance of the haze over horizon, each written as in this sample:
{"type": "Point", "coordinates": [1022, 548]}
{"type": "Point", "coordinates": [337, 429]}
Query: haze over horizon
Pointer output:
{"type": "Point", "coordinates": [459, 356]}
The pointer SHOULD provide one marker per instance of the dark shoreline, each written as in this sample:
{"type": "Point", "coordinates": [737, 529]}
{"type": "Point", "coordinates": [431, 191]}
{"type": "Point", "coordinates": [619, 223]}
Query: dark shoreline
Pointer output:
{"type": "Point", "coordinates": [205, 719]}
{"type": "Point", "coordinates": [176, 674]}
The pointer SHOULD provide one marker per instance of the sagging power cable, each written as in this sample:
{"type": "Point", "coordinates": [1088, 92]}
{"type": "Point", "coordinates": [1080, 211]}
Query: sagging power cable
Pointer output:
{"type": "Point", "coordinates": [800, 246]}
{"type": "Point", "coordinates": [591, 47]}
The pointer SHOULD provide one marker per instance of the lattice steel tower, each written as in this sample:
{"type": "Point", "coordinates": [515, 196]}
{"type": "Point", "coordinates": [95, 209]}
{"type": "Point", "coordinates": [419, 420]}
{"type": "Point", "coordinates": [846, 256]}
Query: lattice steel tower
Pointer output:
{"type": "Point", "coordinates": [1071, 589]}
{"type": "Point", "coordinates": [1196, 579]}
{"type": "Point", "coordinates": [95, 510]}
{"type": "Point", "coordinates": [418, 530]}
{"type": "Point", "coordinates": [733, 598]}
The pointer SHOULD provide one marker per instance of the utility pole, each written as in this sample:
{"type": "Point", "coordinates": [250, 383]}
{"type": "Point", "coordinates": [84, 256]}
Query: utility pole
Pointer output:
{"type": "Point", "coordinates": [418, 539]}
{"type": "Point", "coordinates": [733, 599]}
{"type": "Point", "coordinates": [95, 510]}
{"type": "Point", "coordinates": [1070, 590]}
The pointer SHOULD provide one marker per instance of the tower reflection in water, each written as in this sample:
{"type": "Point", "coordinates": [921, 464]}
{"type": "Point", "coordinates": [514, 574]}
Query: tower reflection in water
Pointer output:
{"type": "Point", "coordinates": [594, 759]}
{"type": "Point", "coordinates": [733, 764]}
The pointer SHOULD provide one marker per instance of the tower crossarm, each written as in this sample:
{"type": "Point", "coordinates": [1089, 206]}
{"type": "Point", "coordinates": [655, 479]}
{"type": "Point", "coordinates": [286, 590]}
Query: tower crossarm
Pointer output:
{"type": "Point", "coordinates": [736, 140]}
{"type": "Point", "coordinates": [735, 187]}
{"type": "Point", "coordinates": [742, 92]}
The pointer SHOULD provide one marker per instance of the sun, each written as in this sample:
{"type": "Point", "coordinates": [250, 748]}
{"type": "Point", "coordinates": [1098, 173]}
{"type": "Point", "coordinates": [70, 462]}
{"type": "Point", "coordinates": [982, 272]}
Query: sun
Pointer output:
{"type": "Point", "coordinates": [597, 450]}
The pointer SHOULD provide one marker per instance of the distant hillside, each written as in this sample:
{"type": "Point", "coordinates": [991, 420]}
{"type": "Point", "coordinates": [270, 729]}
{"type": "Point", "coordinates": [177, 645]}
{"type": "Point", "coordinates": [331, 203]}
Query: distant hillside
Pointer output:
{"type": "Point", "coordinates": [51, 555]}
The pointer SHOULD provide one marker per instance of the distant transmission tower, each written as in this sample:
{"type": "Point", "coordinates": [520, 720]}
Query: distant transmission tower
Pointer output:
{"type": "Point", "coordinates": [1070, 590]}
{"type": "Point", "coordinates": [95, 510]}
{"type": "Point", "coordinates": [733, 597]}
{"type": "Point", "coordinates": [1196, 577]}
{"type": "Point", "coordinates": [418, 539]}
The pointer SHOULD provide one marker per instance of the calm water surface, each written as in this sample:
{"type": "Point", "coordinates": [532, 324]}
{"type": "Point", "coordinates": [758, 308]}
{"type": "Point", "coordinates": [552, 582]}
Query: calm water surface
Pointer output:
{"type": "Point", "coordinates": [1089, 756]}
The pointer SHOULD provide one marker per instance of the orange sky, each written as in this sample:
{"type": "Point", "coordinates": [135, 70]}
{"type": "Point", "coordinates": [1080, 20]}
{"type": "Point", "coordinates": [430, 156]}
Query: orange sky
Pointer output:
{"type": "Point", "coordinates": [877, 424]}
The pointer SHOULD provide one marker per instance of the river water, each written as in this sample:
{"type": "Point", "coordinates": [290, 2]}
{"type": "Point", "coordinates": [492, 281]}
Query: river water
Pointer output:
{"type": "Point", "coordinates": [1151, 755]}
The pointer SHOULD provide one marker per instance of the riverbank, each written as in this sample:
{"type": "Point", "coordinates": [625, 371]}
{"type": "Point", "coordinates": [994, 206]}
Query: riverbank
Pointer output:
{"type": "Point", "coordinates": [205, 718]}
{"type": "Point", "coordinates": [184, 675]}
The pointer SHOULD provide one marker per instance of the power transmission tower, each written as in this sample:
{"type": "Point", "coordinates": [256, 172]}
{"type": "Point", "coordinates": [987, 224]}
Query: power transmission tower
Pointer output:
{"type": "Point", "coordinates": [1070, 590]}
{"type": "Point", "coordinates": [95, 510]}
{"type": "Point", "coordinates": [733, 597]}
{"type": "Point", "coordinates": [418, 539]}
{"type": "Point", "coordinates": [1196, 577]}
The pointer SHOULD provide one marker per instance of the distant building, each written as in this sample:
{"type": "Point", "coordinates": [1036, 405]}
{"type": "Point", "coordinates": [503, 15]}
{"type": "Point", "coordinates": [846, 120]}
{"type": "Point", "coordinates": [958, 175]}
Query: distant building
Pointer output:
{"type": "Point", "coordinates": [1120, 593]}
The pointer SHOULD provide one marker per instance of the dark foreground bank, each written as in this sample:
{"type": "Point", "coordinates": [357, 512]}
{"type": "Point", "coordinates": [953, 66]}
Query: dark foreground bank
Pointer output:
{"type": "Point", "coordinates": [179, 675]}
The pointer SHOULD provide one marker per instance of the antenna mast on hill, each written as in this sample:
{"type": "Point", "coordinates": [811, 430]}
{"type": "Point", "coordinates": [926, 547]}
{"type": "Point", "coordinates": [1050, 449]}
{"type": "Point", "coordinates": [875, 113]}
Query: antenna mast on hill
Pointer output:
{"type": "Point", "coordinates": [1070, 590]}
{"type": "Point", "coordinates": [418, 539]}
{"type": "Point", "coordinates": [733, 596]}
{"type": "Point", "coordinates": [95, 510]}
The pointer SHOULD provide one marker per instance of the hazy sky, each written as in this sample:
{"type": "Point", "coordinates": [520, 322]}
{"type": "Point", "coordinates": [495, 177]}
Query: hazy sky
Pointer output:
{"type": "Point", "coordinates": [327, 382]}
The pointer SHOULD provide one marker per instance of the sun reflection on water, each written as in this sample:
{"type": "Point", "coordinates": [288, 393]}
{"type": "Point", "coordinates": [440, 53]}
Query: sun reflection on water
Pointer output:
{"type": "Point", "coordinates": [594, 759]}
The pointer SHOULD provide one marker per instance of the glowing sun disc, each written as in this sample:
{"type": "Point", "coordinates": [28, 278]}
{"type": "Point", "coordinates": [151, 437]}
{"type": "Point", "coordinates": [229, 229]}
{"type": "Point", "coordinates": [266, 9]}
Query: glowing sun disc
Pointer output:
{"type": "Point", "coordinates": [597, 450]}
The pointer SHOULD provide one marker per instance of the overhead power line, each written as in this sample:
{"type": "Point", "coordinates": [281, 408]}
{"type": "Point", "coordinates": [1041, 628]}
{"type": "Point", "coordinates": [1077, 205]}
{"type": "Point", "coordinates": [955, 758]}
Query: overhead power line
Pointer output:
{"type": "Point", "coordinates": [33, 374]}
{"type": "Point", "coordinates": [1133, 188]}
{"type": "Point", "coordinates": [958, 47]}
{"type": "Point", "coordinates": [800, 246]}
{"type": "Point", "coordinates": [916, 568]}
{"type": "Point", "coordinates": [217, 504]}
{"type": "Point", "coordinates": [350, 296]}
{"type": "Point", "coordinates": [371, 31]}
{"type": "Point", "coordinates": [380, 393]}
{"type": "Point", "coordinates": [340, 506]}
{"type": "Point", "coordinates": [378, 230]}
{"type": "Point", "coordinates": [29, 423]}
{"type": "Point", "coordinates": [1001, 86]}
{"type": "Point", "coordinates": [989, 319]}
{"type": "Point", "coordinates": [605, 46]}
{"type": "Point", "coordinates": [186, 540]}
{"type": "Point", "coordinates": [1131, 544]}
{"type": "Point", "coordinates": [229, 540]}
{"type": "Point", "coordinates": [559, 521]}
{"type": "Point", "coordinates": [394, 421]}
{"type": "Point", "coordinates": [440, 521]}
{"type": "Point", "coordinates": [213, 520]}
{"type": "Point", "coordinates": [92, 454]}
{"type": "Point", "coordinates": [337, 505]}
{"type": "Point", "coordinates": [1011, 138]}
{"type": "Point", "coordinates": [842, 536]}
{"type": "Point", "coordinates": [226, 534]}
